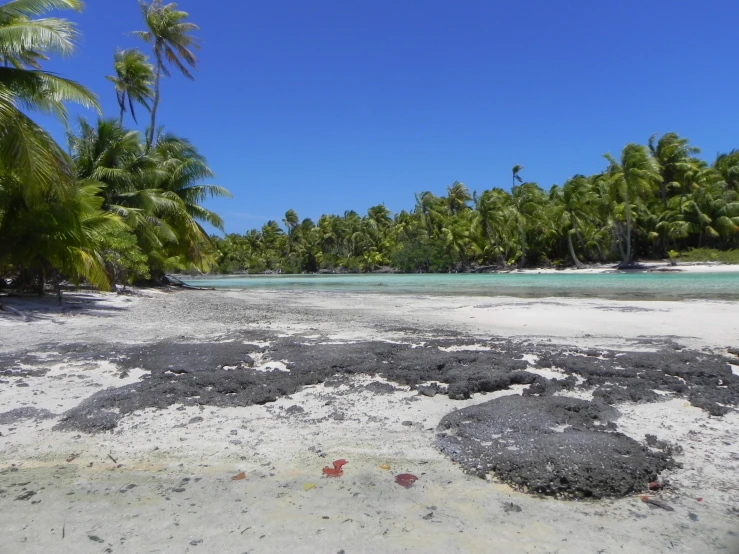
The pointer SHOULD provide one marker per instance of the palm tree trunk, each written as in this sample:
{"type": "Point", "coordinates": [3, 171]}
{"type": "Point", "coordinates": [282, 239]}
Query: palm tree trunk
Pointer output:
{"type": "Point", "coordinates": [627, 259]}
{"type": "Point", "coordinates": [578, 263]}
{"type": "Point", "coordinates": [155, 104]}
{"type": "Point", "coordinates": [41, 282]}
{"type": "Point", "coordinates": [522, 233]}
{"type": "Point", "coordinates": [120, 118]}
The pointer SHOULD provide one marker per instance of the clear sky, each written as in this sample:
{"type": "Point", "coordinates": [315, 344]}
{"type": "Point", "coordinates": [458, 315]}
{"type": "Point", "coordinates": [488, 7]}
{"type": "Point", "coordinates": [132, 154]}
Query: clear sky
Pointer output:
{"type": "Point", "coordinates": [329, 105]}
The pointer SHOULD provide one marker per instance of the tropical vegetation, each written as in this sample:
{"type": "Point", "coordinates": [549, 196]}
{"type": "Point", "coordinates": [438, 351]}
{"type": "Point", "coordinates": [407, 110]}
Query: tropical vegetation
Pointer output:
{"type": "Point", "coordinates": [116, 205]}
{"type": "Point", "coordinates": [653, 201]}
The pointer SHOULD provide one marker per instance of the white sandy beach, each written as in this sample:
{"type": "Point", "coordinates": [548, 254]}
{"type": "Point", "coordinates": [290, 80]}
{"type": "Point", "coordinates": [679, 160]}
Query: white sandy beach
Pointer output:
{"type": "Point", "coordinates": [162, 480]}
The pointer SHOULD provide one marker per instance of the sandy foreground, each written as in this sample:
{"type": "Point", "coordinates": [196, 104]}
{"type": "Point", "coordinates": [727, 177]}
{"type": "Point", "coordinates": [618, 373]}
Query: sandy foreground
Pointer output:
{"type": "Point", "coordinates": [162, 479]}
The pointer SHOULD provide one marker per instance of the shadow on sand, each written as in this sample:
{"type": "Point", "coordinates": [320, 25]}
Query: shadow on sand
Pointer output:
{"type": "Point", "coordinates": [30, 307]}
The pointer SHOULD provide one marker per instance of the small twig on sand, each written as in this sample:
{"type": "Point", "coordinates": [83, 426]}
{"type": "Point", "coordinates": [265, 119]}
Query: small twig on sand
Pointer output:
{"type": "Point", "coordinates": [112, 458]}
{"type": "Point", "coordinates": [64, 529]}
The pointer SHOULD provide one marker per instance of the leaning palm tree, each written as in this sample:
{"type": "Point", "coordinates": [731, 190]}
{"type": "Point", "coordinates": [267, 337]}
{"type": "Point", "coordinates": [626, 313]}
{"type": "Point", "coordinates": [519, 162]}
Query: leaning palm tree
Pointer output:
{"type": "Point", "coordinates": [26, 149]}
{"type": "Point", "coordinates": [134, 77]}
{"type": "Point", "coordinates": [170, 35]}
{"type": "Point", "coordinates": [636, 173]}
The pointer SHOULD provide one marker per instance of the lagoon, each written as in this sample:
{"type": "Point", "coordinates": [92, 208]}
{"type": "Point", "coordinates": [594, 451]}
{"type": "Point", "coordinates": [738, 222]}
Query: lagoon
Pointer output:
{"type": "Point", "coordinates": [615, 285]}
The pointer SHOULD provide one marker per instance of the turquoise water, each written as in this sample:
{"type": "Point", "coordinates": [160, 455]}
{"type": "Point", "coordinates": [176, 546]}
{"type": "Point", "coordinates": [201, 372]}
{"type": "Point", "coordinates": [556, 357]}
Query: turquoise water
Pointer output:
{"type": "Point", "coordinates": [635, 286]}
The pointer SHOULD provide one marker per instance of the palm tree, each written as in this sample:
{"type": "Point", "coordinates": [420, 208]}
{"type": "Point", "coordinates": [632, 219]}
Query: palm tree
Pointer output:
{"type": "Point", "coordinates": [573, 207]}
{"type": "Point", "coordinates": [727, 165]}
{"type": "Point", "coordinates": [457, 197]}
{"type": "Point", "coordinates": [516, 177]}
{"type": "Point", "coordinates": [46, 216]}
{"type": "Point", "coordinates": [58, 234]}
{"type": "Point", "coordinates": [134, 76]}
{"type": "Point", "coordinates": [291, 220]}
{"type": "Point", "coordinates": [526, 205]}
{"type": "Point", "coordinates": [170, 35]}
{"type": "Point", "coordinates": [675, 157]}
{"type": "Point", "coordinates": [636, 173]}
{"type": "Point", "coordinates": [489, 219]}
{"type": "Point", "coordinates": [181, 170]}
{"type": "Point", "coordinates": [26, 149]}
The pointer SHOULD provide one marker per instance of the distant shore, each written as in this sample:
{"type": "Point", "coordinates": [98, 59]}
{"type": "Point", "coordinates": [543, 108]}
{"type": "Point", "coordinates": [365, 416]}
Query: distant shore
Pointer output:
{"type": "Point", "coordinates": [646, 267]}
{"type": "Point", "coordinates": [642, 267]}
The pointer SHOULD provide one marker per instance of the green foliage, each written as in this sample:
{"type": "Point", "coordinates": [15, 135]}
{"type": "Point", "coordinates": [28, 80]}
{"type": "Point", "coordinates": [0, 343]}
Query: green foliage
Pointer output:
{"type": "Point", "coordinates": [709, 255]}
{"type": "Point", "coordinates": [124, 260]}
{"type": "Point", "coordinates": [651, 200]}
{"type": "Point", "coordinates": [117, 208]}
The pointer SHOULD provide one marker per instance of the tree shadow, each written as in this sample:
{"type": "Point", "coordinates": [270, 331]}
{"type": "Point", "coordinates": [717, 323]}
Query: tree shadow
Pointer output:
{"type": "Point", "coordinates": [28, 307]}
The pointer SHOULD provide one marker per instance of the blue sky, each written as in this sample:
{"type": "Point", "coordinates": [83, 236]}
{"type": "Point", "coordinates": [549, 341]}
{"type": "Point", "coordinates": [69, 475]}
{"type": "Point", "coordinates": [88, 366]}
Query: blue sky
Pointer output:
{"type": "Point", "coordinates": [329, 105]}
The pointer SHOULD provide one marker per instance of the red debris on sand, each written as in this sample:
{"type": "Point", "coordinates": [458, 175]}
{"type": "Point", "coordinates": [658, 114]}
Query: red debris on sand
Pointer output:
{"type": "Point", "coordinates": [332, 472]}
{"type": "Point", "coordinates": [655, 486]}
{"type": "Point", "coordinates": [699, 499]}
{"type": "Point", "coordinates": [338, 464]}
{"type": "Point", "coordinates": [405, 480]}
{"type": "Point", "coordinates": [240, 477]}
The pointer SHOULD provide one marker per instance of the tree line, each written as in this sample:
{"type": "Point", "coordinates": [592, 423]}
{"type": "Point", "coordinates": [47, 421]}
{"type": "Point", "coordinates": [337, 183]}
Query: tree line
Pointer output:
{"type": "Point", "coordinates": [112, 205]}
{"type": "Point", "coordinates": [652, 202]}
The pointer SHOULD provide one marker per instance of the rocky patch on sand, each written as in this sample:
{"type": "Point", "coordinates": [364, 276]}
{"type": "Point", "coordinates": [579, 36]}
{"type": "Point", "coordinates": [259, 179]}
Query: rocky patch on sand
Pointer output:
{"type": "Point", "coordinates": [222, 373]}
{"type": "Point", "coordinates": [550, 445]}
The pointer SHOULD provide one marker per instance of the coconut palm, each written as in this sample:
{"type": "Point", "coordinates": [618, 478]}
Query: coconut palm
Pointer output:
{"type": "Point", "coordinates": [573, 207]}
{"type": "Point", "coordinates": [170, 35]}
{"type": "Point", "coordinates": [47, 218]}
{"type": "Point", "coordinates": [727, 165]}
{"type": "Point", "coordinates": [489, 219]}
{"type": "Point", "coordinates": [517, 169]}
{"type": "Point", "coordinates": [635, 174]}
{"type": "Point", "coordinates": [134, 77]}
{"type": "Point", "coordinates": [457, 198]}
{"type": "Point", "coordinates": [676, 160]}
{"type": "Point", "coordinates": [26, 149]}
{"type": "Point", "coordinates": [57, 235]}
{"type": "Point", "coordinates": [181, 170]}
{"type": "Point", "coordinates": [526, 207]}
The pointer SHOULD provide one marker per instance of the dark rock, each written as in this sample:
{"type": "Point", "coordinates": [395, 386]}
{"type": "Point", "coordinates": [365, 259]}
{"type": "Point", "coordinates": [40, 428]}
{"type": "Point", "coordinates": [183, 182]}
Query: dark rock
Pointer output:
{"type": "Point", "coordinates": [427, 390]}
{"type": "Point", "coordinates": [191, 373]}
{"type": "Point", "coordinates": [378, 387]}
{"type": "Point", "coordinates": [295, 409]}
{"type": "Point", "coordinates": [18, 414]}
{"type": "Point", "coordinates": [196, 419]}
{"type": "Point", "coordinates": [549, 445]}
{"type": "Point", "coordinates": [95, 538]}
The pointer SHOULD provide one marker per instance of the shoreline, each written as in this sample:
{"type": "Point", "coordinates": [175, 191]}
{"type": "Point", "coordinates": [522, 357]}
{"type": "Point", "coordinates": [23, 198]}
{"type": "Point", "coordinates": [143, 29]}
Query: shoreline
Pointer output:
{"type": "Point", "coordinates": [646, 267]}
{"type": "Point", "coordinates": [162, 478]}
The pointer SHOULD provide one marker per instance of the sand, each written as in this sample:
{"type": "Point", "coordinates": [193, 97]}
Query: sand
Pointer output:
{"type": "Point", "coordinates": [162, 480]}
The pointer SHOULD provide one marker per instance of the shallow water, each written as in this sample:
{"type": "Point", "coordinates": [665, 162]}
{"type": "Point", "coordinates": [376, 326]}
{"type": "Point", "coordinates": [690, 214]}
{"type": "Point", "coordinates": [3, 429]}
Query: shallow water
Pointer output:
{"type": "Point", "coordinates": [617, 285]}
